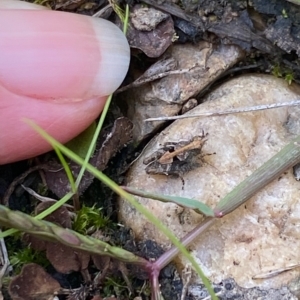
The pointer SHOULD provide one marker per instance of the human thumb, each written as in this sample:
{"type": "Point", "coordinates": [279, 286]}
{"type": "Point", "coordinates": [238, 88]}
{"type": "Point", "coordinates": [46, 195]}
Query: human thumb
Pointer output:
{"type": "Point", "coordinates": [56, 69]}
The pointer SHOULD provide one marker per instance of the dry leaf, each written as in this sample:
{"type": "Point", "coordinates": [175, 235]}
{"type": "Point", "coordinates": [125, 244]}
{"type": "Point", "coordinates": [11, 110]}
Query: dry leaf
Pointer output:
{"type": "Point", "coordinates": [33, 284]}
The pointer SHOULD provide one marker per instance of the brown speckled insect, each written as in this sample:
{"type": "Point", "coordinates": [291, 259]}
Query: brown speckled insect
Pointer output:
{"type": "Point", "coordinates": [175, 158]}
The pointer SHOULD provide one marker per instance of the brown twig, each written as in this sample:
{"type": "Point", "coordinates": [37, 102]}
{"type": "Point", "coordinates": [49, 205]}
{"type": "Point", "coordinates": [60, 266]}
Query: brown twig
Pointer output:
{"type": "Point", "coordinates": [20, 179]}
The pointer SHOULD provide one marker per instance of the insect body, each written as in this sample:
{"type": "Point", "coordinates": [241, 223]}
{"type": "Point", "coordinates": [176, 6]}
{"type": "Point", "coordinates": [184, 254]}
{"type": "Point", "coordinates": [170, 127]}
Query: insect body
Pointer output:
{"type": "Point", "coordinates": [175, 158]}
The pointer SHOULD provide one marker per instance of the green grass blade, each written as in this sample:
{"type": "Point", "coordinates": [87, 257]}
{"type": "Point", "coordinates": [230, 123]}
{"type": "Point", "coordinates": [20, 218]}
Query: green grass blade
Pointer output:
{"type": "Point", "coordinates": [94, 140]}
{"type": "Point", "coordinates": [81, 143]}
{"type": "Point", "coordinates": [67, 170]}
{"type": "Point", "coordinates": [126, 19]}
{"type": "Point", "coordinates": [195, 205]}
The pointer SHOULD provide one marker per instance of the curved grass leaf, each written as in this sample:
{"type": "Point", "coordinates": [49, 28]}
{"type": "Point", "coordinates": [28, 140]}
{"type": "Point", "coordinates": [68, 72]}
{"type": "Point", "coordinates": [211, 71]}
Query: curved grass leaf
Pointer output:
{"type": "Point", "coordinates": [195, 205]}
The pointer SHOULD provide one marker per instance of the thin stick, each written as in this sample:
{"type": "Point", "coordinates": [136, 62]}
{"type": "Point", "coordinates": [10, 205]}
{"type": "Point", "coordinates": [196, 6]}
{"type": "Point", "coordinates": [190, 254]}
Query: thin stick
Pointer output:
{"type": "Point", "coordinates": [42, 198]}
{"type": "Point", "coordinates": [276, 272]}
{"type": "Point", "coordinates": [227, 112]}
{"type": "Point", "coordinates": [169, 255]}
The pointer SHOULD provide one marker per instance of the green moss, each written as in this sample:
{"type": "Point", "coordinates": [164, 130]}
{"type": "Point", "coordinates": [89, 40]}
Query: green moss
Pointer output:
{"type": "Point", "coordinates": [25, 256]}
{"type": "Point", "coordinates": [89, 219]}
{"type": "Point", "coordinates": [115, 286]}
{"type": "Point", "coordinates": [282, 72]}
{"type": "Point", "coordinates": [289, 77]}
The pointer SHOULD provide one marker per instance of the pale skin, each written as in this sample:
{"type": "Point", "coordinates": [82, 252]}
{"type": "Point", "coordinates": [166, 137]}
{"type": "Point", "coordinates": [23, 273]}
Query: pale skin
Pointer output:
{"type": "Point", "coordinates": [56, 69]}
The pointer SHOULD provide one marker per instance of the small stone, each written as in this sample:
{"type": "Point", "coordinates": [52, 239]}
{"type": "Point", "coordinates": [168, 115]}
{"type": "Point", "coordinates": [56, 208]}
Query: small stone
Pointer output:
{"type": "Point", "coordinates": [146, 18]}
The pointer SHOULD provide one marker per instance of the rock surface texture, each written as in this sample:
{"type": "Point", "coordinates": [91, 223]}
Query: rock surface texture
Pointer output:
{"type": "Point", "coordinates": [263, 234]}
{"type": "Point", "coordinates": [167, 95]}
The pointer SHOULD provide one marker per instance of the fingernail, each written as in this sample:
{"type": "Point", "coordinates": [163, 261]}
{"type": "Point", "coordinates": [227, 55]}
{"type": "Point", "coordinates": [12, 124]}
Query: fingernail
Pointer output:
{"type": "Point", "coordinates": [59, 56]}
{"type": "Point", "coordinates": [115, 56]}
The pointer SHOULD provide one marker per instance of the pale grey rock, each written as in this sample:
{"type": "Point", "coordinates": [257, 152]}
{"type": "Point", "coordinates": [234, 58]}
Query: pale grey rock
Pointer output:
{"type": "Point", "coordinates": [263, 234]}
{"type": "Point", "coordinates": [146, 18]}
{"type": "Point", "coordinates": [165, 97]}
